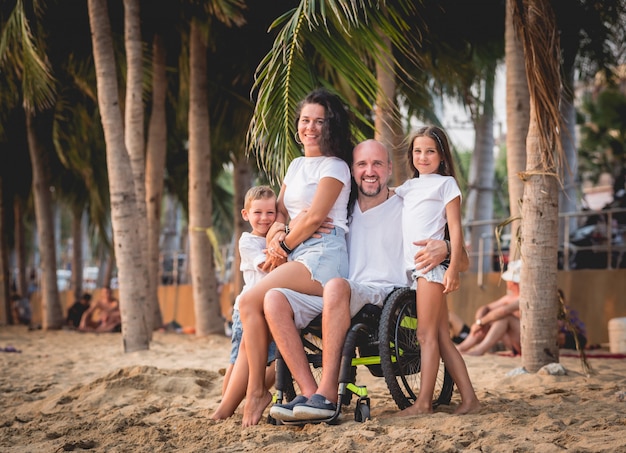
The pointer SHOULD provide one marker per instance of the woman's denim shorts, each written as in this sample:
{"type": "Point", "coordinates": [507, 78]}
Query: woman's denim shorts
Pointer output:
{"type": "Point", "coordinates": [325, 257]}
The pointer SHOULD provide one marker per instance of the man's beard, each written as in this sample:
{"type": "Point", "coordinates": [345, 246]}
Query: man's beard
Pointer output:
{"type": "Point", "coordinates": [371, 193]}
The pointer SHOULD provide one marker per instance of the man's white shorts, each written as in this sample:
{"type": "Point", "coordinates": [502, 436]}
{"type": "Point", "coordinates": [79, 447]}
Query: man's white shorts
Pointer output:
{"type": "Point", "coordinates": [306, 307]}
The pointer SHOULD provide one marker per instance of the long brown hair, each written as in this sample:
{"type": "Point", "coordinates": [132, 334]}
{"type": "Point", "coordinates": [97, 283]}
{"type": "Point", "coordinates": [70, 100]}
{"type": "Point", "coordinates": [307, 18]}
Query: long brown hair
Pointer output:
{"type": "Point", "coordinates": [446, 168]}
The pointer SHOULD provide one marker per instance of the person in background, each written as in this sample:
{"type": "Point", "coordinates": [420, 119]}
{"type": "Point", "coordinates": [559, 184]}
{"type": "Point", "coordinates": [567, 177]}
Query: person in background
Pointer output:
{"type": "Point", "coordinates": [432, 204]}
{"type": "Point", "coordinates": [77, 310]}
{"type": "Point", "coordinates": [497, 321]}
{"type": "Point", "coordinates": [260, 211]}
{"type": "Point", "coordinates": [110, 318]}
{"type": "Point", "coordinates": [459, 330]}
{"type": "Point", "coordinates": [22, 312]}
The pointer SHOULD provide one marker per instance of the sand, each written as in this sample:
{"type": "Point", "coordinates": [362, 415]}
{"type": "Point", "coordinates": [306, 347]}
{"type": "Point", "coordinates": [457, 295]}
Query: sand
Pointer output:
{"type": "Point", "coordinates": [70, 391]}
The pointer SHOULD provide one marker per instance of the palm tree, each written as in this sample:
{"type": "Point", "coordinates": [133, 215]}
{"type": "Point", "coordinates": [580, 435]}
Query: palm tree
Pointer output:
{"type": "Point", "coordinates": [517, 117]}
{"type": "Point", "coordinates": [26, 63]}
{"type": "Point", "coordinates": [125, 216]}
{"type": "Point", "coordinates": [135, 143]}
{"type": "Point", "coordinates": [536, 26]}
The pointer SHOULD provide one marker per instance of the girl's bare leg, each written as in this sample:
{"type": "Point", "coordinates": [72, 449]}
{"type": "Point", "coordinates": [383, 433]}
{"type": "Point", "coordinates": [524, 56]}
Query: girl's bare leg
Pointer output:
{"type": "Point", "coordinates": [456, 366]}
{"type": "Point", "coordinates": [430, 301]}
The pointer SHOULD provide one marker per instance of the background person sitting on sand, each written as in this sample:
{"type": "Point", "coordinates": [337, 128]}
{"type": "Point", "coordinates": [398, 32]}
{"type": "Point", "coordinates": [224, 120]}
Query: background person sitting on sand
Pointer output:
{"type": "Point", "coordinates": [498, 321]}
{"type": "Point", "coordinates": [109, 316]}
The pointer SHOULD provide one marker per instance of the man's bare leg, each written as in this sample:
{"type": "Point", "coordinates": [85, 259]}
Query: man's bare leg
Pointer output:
{"type": "Point", "coordinates": [335, 324]}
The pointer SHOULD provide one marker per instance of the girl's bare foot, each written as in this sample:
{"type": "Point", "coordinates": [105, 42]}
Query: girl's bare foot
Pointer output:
{"type": "Point", "coordinates": [415, 410]}
{"type": "Point", "coordinates": [253, 409]}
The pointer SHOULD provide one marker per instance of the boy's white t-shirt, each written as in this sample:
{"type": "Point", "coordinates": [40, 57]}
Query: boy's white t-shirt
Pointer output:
{"type": "Point", "coordinates": [424, 210]}
{"type": "Point", "coordinates": [251, 251]}
{"type": "Point", "coordinates": [302, 179]}
{"type": "Point", "coordinates": [381, 224]}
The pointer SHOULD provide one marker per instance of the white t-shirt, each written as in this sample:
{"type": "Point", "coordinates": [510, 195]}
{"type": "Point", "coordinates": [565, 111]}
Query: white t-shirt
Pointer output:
{"type": "Point", "coordinates": [375, 245]}
{"type": "Point", "coordinates": [302, 178]}
{"type": "Point", "coordinates": [424, 210]}
{"type": "Point", "coordinates": [251, 251]}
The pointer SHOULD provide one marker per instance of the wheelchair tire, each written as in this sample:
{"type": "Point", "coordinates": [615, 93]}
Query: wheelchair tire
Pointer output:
{"type": "Point", "coordinates": [400, 354]}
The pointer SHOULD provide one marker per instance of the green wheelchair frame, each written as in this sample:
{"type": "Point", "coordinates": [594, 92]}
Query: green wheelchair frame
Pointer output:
{"type": "Point", "coordinates": [383, 340]}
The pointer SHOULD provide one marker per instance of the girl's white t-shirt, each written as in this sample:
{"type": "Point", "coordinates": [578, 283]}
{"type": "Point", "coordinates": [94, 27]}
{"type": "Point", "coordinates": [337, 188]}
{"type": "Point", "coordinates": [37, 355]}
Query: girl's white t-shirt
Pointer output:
{"type": "Point", "coordinates": [424, 210]}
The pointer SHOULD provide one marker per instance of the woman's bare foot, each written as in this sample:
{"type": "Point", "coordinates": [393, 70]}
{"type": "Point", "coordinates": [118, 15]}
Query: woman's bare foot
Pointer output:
{"type": "Point", "coordinates": [468, 408]}
{"type": "Point", "coordinates": [253, 409]}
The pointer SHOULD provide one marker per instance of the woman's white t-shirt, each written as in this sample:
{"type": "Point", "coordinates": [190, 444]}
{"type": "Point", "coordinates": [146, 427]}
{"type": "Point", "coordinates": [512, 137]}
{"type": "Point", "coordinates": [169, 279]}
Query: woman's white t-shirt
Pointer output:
{"type": "Point", "coordinates": [302, 179]}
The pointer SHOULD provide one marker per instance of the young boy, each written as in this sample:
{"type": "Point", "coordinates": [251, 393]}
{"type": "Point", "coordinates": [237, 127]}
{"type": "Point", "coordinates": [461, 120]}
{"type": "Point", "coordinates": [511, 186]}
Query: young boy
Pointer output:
{"type": "Point", "coordinates": [260, 211]}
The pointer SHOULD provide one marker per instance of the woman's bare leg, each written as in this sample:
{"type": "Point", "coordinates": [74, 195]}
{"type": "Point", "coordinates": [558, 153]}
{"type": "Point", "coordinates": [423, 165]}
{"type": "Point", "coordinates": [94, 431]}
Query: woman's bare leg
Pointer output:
{"type": "Point", "coordinates": [292, 275]}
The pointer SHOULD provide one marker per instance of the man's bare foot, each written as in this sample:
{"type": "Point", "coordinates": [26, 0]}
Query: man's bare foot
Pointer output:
{"type": "Point", "coordinates": [414, 410]}
{"type": "Point", "coordinates": [473, 352]}
{"type": "Point", "coordinates": [468, 408]}
{"type": "Point", "coordinates": [253, 409]}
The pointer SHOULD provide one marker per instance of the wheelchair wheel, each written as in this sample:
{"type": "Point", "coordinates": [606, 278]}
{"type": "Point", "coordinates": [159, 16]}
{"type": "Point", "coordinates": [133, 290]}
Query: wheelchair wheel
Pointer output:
{"type": "Point", "coordinates": [400, 354]}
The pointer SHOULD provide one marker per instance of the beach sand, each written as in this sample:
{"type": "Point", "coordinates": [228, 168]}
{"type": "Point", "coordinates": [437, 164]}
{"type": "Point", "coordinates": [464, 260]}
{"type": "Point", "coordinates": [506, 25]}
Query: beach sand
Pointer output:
{"type": "Point", "coordinates": [70, 391]}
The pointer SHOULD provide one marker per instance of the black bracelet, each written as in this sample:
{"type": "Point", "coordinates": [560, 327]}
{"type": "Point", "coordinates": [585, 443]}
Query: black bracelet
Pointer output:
{"type": "Point", "coordinates": [284, 247]}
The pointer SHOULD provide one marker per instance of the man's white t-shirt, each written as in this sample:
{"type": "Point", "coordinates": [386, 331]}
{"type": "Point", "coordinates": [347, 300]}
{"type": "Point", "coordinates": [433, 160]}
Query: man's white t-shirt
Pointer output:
{"type": "Point", "coordinates": [375, 245]}
{"type": "Point", "coordinates": [302, 179]}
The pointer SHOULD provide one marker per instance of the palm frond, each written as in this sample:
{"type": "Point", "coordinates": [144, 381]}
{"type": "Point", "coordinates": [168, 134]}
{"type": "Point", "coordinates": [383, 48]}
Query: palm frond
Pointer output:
{"type": "Point", "coordinates": [328, 43]}
{"type": "Point", "coordinates": [19, 48]}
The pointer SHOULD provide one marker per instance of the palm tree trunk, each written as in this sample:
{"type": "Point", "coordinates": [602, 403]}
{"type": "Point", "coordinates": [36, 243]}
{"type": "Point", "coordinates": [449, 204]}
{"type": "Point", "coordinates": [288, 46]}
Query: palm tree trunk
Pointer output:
{"type": "Point", "coordinates": [204, 280]}
{"type": "Point", "coordinates": [538, 291]}
{"type": "Point", "coordinates": [568, 197]}
{"type": "Point", "coordinates": [479, 203]}
{"type": "Point", "coordinates": [242, 177]}
{"type": "Point", "coordinates": [52, 315]}
{"type": "Point", "coordinates": [134, 134]}
{"type": "Point", "coordinates": [20, 246]}
{"type": "Point", "coordinates": [155, 171]}
{"type": "Point", "coordinates": [5, 300]}
{"type": "Point", "coordinates": [517, 117]}
{"type": "Point", "coordinates": [388, 129]}
{"type": "Point", "coordinates": [536, 26]}
{"type": "Point", "coordinates": [124, 215]}
{"type": "Point", "coordinates": [77, 251]}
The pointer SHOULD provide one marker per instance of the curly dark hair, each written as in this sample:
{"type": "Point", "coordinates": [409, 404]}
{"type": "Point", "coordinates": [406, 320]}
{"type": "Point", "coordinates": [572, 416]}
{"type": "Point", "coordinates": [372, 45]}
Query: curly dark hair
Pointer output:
{"type": "Point", "coordinates": [336, 139]}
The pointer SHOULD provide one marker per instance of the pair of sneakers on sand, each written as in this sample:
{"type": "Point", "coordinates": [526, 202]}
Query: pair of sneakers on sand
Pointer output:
{"type": "Point", "coordinates": [302, 408]}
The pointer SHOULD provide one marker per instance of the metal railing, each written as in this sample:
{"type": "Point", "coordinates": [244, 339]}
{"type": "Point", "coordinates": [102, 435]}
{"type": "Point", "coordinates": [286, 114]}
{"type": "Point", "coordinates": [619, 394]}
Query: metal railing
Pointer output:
{"type": "Point", "coordinates": [586, 247]}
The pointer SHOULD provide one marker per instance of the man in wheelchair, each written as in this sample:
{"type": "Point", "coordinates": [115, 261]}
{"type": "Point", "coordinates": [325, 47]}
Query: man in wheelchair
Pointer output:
{"type": "Point", "coordinates": [375, 251]}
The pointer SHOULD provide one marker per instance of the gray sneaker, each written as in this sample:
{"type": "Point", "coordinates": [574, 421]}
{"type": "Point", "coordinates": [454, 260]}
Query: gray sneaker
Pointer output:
{"type": "Point", "coordinates": [317, 407]}
{"type": "Point", "coordinates": [284, 412]}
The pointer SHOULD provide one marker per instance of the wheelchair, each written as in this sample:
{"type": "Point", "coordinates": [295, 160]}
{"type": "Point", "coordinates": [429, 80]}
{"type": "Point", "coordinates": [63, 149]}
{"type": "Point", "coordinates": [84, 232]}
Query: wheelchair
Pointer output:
{"type": "Point", "coordinates": [381, 339]}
